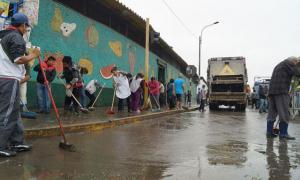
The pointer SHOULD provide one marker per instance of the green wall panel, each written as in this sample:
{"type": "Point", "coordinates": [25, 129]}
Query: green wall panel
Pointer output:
{"type": "Point", "coordinates": [82, 44]}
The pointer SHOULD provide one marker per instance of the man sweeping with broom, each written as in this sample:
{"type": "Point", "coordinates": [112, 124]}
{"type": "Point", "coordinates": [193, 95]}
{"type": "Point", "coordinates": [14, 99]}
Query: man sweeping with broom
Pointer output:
{"type": "Point", "coordinates": [12, 60]}
{"type": "Point", "coordinates": [279, 99]}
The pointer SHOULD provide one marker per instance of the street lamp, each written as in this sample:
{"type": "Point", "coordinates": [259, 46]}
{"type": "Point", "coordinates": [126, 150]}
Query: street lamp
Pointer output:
{"type": "Point", "coordinates": [200, 41]}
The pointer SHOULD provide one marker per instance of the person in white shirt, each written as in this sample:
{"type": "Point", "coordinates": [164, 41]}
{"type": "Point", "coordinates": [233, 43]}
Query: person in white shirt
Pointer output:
{"type": "Point", "coordinates": [90, 90]}
{"type": "Point", "coordinates": [122, 89]}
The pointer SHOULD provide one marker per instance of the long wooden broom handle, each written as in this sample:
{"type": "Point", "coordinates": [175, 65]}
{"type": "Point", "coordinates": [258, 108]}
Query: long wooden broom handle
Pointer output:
{"type": "Point", "coordinates": [62, 132]}
{"type": "Point", "coordinates": [98, 95]}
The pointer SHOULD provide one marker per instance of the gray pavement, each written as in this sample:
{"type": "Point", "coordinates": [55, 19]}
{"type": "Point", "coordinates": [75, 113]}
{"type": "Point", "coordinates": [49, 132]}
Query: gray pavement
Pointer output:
{"type": "Point", "coordinates": [211, 145]}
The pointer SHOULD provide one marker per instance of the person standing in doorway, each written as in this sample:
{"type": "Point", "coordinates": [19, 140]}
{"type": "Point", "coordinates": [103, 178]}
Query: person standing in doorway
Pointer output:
{"type": "Point", "coordinates": [171, 94]}
{"type": "Point", "coordinates": [162, 96]}
{"type": "Point", "coordinates": [179, 90]}
{"type": "Point", "coordinates": [12, 70]}
{"type": "Point", "coordinates": [279, 99]}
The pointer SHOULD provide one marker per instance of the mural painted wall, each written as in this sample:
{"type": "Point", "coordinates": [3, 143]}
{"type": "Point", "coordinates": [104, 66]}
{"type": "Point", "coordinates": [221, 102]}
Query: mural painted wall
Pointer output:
{"type": "Point", "coordinates": [61, 31]}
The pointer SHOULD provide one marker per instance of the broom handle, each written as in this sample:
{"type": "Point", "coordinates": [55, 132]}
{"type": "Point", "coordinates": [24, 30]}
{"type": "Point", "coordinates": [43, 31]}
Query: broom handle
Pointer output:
{"type": "Point", "coordinates": [72, 95]}
{"type": "Point", "coordinates": [277, 122]}
{"type": "Point", "coordinates": [153, 98]}
{"type": "Point", "coordinates": [98, 95]}
{"type": "Point", "coordinates": [113, 100]}
{"type": "Point", "coordinates": [62, 132]}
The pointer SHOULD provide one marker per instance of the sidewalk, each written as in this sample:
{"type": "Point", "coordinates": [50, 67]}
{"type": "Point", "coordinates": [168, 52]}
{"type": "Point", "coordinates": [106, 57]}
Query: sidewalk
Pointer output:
{"type": "Point", "coordinates": [46, 125]}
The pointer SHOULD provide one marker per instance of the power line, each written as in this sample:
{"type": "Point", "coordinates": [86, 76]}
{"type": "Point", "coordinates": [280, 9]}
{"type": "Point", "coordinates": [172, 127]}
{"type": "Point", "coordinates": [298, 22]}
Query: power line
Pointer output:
{"type": "Point", "coordinates": [177, 17]}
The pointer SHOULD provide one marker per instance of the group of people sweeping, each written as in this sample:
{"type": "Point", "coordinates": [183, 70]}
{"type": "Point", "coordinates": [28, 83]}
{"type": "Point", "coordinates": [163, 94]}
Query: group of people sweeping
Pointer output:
{"type": "Point", "coordinates": [130, 89]}
{"type": "Point", "coordinates": [127, 88]}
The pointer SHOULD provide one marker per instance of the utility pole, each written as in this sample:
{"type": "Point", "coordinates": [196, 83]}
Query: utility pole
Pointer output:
{"type": "Point", "coordinates": [200, 42]}
{"type": "Point", "coordinates": [146, 61]}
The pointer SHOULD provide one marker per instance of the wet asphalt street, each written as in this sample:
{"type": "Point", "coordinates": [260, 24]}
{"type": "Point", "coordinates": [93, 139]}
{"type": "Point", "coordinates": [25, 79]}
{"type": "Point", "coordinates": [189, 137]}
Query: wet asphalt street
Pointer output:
{"type": "Point", "coordinates": [212, 145]}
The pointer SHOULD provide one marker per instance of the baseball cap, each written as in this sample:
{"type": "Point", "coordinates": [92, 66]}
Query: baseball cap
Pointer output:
{"type": "Point", "coordinates": [20, 18]}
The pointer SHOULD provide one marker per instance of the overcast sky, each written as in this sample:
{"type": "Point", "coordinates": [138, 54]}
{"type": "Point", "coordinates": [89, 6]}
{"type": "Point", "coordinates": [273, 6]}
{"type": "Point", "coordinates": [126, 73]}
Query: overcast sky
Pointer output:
{"type": "Point", "coordinates": [264, 31]}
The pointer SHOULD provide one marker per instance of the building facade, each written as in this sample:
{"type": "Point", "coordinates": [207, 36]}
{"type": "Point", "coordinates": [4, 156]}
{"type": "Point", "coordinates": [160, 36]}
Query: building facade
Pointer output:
{"type": "Point", "coordinates": [63, 28]}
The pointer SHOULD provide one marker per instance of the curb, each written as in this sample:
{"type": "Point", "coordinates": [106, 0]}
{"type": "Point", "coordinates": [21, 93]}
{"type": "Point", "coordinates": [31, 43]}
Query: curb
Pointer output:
{"type": "Point", "coordinates": [97, 126]}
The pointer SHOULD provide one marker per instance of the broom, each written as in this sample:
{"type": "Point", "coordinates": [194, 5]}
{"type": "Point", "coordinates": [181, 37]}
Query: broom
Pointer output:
{"type": "Point", "coordinates": [92, 107]}
{"type": "Point", "coordinates": [110, 111]}
{"type": "Point", "coordinates": [275, 128]}
{"type": "Point", "coordinates": [27, 114]}
{"type": "Point", "coordinates": [64, 143]}
{"type": "Point", "coordinates": [84, 110]}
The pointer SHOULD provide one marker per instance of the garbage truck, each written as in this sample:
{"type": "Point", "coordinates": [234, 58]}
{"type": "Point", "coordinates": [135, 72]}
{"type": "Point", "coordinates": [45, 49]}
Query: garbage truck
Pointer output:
{"type": "Point", "coordinates": [227, 79]}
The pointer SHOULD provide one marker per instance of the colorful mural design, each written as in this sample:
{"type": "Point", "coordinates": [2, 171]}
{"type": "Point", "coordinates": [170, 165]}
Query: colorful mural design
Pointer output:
{"type": "Point", "coordinates": [116, 47]}
{"type": "Point", "coordinates": [92, 35]}
{"type": "Point", "coordinates": [58, 63]}
{"type": "Point", "coordinates": [106, 53]}
{"type": "Point", "coordinates": [106, 71]}
{"type": "Point", "coordinates": [31, 9]}
{"type": "Point", "coordinates": [131, 57]}
{"type": "Point", "coordinates": [141, 69]}
{"type": "Point", "coordinates": [57, 20]}
{"type": "Point", "coordinates": [4, 4]}
{"type": "Point", "coordinates": [67, 28]}
{"type": "Point", "coordinates": [86, 63]}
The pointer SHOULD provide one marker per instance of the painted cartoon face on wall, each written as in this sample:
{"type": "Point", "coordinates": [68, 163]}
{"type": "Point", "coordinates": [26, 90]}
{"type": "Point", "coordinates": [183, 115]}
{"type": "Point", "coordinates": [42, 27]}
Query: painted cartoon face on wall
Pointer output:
{"type": "Point", "coordinates": [67, 28]}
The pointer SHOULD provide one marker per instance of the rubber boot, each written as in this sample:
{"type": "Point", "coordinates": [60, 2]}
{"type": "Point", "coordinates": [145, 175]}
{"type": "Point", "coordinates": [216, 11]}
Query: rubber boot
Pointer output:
{"type": "Point", "coordinates": [283, 131]}
{"type": "Point", "coordinates": [270, 133]}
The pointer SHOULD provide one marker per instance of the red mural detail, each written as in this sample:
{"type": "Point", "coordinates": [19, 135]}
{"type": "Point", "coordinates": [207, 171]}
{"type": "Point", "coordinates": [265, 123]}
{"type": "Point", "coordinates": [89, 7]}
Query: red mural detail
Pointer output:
{"type": "Point", "coordinates": [131, 59]}
{"type": "Point", "coordinates": [106, 71]}
{"type": "Point", "coordinates": [58, 63]}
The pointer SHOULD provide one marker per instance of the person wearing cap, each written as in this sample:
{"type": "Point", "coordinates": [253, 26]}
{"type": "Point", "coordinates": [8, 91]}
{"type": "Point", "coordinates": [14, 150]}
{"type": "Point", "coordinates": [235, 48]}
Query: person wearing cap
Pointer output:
{"type": "Point", "coordinates": [12, 71]}
{"type": "Point", "coordinates": [279, 99]}
{"type": "Point", "coordinates": [41, 89]}
{"type": "Point", "coordinates": [90, 90]}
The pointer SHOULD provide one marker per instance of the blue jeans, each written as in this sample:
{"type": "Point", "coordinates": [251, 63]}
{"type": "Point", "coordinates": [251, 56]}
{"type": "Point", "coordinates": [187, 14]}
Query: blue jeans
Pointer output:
{"type": "Point", "coordinates": [43, 97]}
{"type": "Point", "coordinates": [263, 105]}
{"type": "Point", "coordinates": [82, 97]}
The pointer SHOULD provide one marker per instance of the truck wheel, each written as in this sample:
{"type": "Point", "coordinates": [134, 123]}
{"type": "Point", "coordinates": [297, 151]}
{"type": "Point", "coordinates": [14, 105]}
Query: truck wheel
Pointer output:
{"type": "Point", "coordinates": [240, 107]}
{"type": "Point", "coordinates": [213, 106]}
{"type": "Point", "coordinates": [243, 107]}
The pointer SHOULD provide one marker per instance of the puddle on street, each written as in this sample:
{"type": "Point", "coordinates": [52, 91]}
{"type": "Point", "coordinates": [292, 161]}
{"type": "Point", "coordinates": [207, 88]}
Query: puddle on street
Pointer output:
{"type": "Point", "coordinates": [228, 153]}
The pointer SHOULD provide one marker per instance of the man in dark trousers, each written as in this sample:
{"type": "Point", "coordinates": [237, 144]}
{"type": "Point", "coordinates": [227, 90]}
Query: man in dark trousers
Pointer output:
{"type": "Point", "coordinates": [279, 99]}
{"type": "Point", "coordinates": [12, 70]}
{"type": "Point", "coordinates": [73, 85]}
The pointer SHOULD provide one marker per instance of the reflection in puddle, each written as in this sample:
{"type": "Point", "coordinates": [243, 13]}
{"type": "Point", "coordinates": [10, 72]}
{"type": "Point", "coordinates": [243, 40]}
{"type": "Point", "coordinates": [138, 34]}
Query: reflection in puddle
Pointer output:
{"type": "Point", "coordinates": [278, 165]}
{"type": "Point", "coordinates": [173, 123]}
{"type": "Point", "coordinates": [229, 153]}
